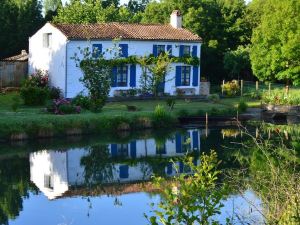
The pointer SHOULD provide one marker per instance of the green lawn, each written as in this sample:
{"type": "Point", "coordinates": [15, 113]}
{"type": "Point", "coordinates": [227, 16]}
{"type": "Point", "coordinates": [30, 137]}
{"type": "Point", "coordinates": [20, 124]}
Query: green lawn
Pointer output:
{"type": "Point", "coordinates": [117, 108]}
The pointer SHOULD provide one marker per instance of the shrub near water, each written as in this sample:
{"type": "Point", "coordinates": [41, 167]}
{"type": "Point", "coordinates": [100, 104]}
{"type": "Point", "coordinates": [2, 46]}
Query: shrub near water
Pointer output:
{"type": "Point", "coordinates": [280, 97]}
{"type": "Point", "coordinates": [34, 95]}
{"type": "Point", "coordinates": [34, 89]}
{"type": "Point", "coordinates": [231, 88]}
{"type": "Point", "coordinates": [161, 118]}
{"type": "Point", "coordinates": [63, 106]}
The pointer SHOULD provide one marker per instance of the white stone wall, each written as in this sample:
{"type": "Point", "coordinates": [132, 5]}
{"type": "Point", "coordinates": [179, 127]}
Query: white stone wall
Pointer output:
{"type": "Point", "coordinates": [138, 48]}
{"type": "Point", "coordinates": [53, 164]}
{"type": "Point", "coordinates": [64, 73]}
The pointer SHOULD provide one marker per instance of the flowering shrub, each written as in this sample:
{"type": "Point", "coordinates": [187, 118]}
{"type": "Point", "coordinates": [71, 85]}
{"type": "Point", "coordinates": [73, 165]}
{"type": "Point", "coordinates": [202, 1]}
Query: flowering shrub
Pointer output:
{"type": "Point", "coordinates": [231, 88]}
{"type": "Point", "coordinates": [38, 79]}
{"type": "Point", "coordinates": [280, 97]}
{"type": "Point", "coordinates": [63, 106]}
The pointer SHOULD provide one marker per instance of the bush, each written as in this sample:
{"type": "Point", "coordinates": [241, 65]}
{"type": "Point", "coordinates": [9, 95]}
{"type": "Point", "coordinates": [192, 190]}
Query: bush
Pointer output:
{"type": "Point", "coordinates": [214, 111]}
{"type": "Point", "coordinates": [82, 101]}
{"type": "Point", "coordinates": [161, 118]}
{"type": "Point", "coordinates": [170, 103]}
{"type": "Point", "coordinates": [231, 88]}
{"type": "Point", "coordinates": [38, 79]}
{"type": "Point", "coordinates": [34, 95]}
{"type": "Point", "coordinates": [15, 103]}
{"type": "Point", "coordinates": [214, 98]}
{"type": "Point", "coordinates": [131, 108]}
{"type": "Point", "coordinates": [63, 106]}
{"type": "Point", "coordinates": [55, 93]}
{"type": "Point", "coordinates": [242, 106]}
{"type": "Point", "coordinates": [182, 113]}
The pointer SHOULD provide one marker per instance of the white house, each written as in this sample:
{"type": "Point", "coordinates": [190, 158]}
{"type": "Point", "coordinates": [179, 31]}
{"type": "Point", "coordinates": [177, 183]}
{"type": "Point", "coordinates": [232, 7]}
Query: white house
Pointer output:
{"type": "Point", "coordinates": [55, 172]}
{"type": "Point", "coordinates": [53, 46]}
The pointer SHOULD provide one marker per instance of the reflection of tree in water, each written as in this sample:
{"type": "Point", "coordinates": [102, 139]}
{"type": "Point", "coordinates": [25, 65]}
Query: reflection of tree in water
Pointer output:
{"type": "Point", "coordinates": [98, 166]}
{"type": "Point", "coordinates": [14, 177]}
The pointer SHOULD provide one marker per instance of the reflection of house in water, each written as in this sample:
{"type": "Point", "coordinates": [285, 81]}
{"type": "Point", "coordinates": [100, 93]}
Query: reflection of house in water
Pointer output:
{"type": "Point", "coordinates": [54, 172]}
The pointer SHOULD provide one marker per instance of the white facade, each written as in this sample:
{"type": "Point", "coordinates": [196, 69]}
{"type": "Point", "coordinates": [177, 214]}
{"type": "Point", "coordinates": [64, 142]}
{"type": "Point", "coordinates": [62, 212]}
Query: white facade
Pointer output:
{"type": "Point", "coordinates": [63, 72]}
{"type": "Point", "coordinates": [53, 172]}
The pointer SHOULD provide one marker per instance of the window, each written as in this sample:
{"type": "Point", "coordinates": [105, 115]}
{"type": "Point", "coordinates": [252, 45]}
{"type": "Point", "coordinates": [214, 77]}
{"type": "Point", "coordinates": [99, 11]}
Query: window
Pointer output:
{"type": "Point", "coordinates": [122, 76]}
{"type": "Point", "coordinates": [185, 75]}
{"type": "Point", "coordinates": [160, 149]}
{"type": "Point", "coordinates": [47, 40]}
{"type": "Point", "coordinates": [97, 50]}
{"type": "Point", "coordinates": [123, 50]}
{"type": "Point", "coordinates": [124, 171]}
{"type": "Point", "coordinates": [186, 50]}
{"type": "Point", "coordinates": [160, 49]}
{"type": "Point", "coordinates": [48, 181]}
{"type": "Point", "coordinates": [186, 142]}
{"type": "Point", "coordinates": [122, 150]}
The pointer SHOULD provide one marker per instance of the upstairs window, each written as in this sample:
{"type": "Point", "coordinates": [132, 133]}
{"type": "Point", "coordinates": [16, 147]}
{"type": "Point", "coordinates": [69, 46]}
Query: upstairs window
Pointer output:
{"type": "Point", "coordinates": [160, 49]}
{"type": "Point", "coordinates": [186, 50]}
{"type": "Point", "coordinates": [47, 40]}
{"type": "Point", "coordinates": [185, 75]}
{"type": "Point", "coordinates": [123, 50]}
{"type": "Point", "coordinates": [97, 50]}
{"type": "Point", "coordinates": [122, 72]}
{"type": "Point", "coordinates": [48, 181]}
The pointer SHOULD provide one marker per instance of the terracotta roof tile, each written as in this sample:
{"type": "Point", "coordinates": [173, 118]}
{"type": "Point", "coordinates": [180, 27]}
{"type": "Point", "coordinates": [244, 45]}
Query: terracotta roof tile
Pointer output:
{"type": "Point", "coordinates": [126, 31]}
{"type": "Point", "coordinates": [21, 57]}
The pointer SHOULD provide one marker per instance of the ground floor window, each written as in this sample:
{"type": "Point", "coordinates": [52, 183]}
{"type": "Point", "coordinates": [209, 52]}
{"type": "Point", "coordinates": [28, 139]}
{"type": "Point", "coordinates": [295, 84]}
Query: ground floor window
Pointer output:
{"type": "Point", "coordinates": [122, 76]}
{"type": "Point", "coordinates": [185, 75]}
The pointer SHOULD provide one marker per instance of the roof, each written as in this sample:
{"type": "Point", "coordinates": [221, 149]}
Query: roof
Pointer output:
{"type": "Point", "coordinates": [112, 189]}
{"type": "Point", "coordinates": [109, 31]}
{"type": "Point", "coordinates": [21, 57]}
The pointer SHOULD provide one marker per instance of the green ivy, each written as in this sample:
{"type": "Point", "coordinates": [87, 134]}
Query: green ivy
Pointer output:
{"type": "Point", "coordinates": [194, 61]}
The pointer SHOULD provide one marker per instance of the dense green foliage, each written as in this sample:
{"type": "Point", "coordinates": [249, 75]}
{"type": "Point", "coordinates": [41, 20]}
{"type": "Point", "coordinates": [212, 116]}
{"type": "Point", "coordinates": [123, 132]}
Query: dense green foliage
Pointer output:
{"type": "Point", "coordinates": [15, 185]}
{"type": "Point", "coordinates": [281, 97]}
{"type": "Point", "coordinates": [96, 77]}
{"type": "Point", "coordinates": [275, 41]}
{"type": "Point", "coordinates": [19, 20]}
{"type": "Point", "coordinates": [191, 199]}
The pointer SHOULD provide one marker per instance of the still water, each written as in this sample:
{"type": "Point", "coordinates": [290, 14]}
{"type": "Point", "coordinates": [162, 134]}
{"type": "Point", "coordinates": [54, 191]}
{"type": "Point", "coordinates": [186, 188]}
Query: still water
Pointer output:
{"type": "Point", "coordinates": [107, 179]}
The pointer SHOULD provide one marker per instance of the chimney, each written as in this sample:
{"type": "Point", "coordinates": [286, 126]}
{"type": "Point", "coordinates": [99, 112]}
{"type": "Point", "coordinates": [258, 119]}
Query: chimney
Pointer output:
{"type": "Point", "coordinates": [176, 19]}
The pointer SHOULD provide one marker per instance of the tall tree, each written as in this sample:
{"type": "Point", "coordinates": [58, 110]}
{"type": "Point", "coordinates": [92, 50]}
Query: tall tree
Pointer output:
{"type": "Point", "coordinates": [19, 20]}
{"type": "Point", "coordinates": [50, 8]}
{"type": "Point", "coordinates": [136, 6]}
{"type": "Point", "coordinates": [275, 52]}
{"type": "Point", "coordinates": [221, 24]}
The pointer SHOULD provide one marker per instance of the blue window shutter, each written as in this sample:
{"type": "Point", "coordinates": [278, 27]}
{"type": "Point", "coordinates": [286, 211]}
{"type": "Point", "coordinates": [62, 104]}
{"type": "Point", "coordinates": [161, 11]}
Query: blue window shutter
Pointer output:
{"type": "Point", "coordinates": [194, 51]}
{"type": "Point", "coordinates": [181, 166]}
{"type": "Point", "coordinates": [124, 171]}
{"type": "Point", "coordinates": [181, 47]}
{"type": "Point", "coordinates": [114, 77]}
{"type": "Point", "coordinates": [124, 50]}
{"type": "Point", "coordinates": [155, 50]}
{"type": "Point", "coordinates": [178, 76]}
{"type": "Point", "coordinates": [195, 140]}
{"type": "Point", "coordinates": [195, 161]}
{"type": "Point", "coordinates": [169, 168]}
{"type": "Point", "coordinates": [169, 49]}
{"type": "Point", "coordinates": [178, 143]}
{"type": "Point", "coordinates": [133, 76]}
{"type": "Point", "coordinates": [133, 149]}
{"type": "Point", "coordinates": [99, 50]}
{"type": "Point", "coordinates": [195, 76]}
{"type": "Point", "coordinates": [114, 150]}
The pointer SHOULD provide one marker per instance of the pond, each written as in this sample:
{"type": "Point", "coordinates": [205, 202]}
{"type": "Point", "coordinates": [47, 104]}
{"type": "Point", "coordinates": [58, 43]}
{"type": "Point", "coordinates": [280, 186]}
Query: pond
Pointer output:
{"type": "Point", "coordinates": [107, 179]}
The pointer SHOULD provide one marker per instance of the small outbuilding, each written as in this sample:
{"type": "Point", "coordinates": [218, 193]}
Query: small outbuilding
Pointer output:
{"type": "Point", "coordinates": [13, 70]}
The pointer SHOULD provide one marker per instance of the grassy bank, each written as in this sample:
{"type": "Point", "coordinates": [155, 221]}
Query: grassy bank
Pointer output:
{"type": "Point", "coordinates": [32, 122]}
